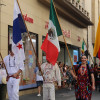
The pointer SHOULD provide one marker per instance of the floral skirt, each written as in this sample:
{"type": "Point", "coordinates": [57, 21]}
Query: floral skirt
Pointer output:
{"type": "Point", "coordinates": [83, 92]}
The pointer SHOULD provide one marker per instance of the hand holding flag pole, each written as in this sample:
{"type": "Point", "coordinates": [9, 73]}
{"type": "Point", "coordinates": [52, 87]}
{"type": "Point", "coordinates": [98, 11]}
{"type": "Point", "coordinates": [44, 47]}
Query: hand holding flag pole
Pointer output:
{"type": "Point", "coordinates": [31, 41]}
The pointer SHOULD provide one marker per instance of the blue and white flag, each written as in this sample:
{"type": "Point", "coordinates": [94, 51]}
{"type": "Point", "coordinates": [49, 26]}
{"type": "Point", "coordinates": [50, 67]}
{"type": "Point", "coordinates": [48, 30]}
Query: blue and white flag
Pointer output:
{"type": "Point", "coordinates": [18, 29]}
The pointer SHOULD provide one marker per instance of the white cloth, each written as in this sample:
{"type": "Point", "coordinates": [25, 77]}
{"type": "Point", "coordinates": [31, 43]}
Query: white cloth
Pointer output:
{"type": "Point", "coordinates": [3, 76]}
{"type": "Point", "coordinates": [13, 88]}
{"type": "Point", "coordinates": [38, 77]}
{"type": "Point", "coordinates": [51, 73]}
{"type": "Point", "coordinates": [48, 91]}
{"type": "Point", "coordinates": [12, 64]}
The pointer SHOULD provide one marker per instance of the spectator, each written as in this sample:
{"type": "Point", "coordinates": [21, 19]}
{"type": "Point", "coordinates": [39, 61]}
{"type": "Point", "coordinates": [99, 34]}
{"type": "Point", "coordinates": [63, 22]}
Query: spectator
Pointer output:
{"type": "Point", "coordinates": [96, 74]}
{"type": "Point", "coordinates": [98, 77]}
{"type": "Point", "coordinates": [3, 85]}
{"type": "Point", "coordinates": [62, 75]}
{"type": "Point", "coordinates": [65, 76]}
{"type": "Point", "coordinates": [39, 80]}
{"type": "Point", "coordinates": [70, 78]}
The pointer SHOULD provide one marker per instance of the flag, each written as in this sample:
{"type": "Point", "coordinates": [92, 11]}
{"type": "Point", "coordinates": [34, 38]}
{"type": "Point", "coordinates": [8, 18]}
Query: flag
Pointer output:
{"type": "Point", "coordinates": [18, 29]}
{"type": "Point", "coordinates": [84, 49]}
{"type": "Point", "coordinates": [96, 51]}
{"type": "Point", "coordinates": [51, 44]}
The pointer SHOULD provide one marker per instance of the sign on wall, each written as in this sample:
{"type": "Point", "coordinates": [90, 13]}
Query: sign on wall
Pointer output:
{"type": "Point", "coordinates": [28, 19]}
{"type": "Point", "coordinates": [75, 56]}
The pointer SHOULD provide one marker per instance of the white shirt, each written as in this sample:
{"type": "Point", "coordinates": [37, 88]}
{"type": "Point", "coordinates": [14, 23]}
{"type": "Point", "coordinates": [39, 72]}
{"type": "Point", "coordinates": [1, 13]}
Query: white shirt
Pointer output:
{"type": "Point", "coordinates": [51, 73]}
{"type": "Point", "coordinates": [38, 77]}
{"type": "Point", "coordinates": [12, 64]}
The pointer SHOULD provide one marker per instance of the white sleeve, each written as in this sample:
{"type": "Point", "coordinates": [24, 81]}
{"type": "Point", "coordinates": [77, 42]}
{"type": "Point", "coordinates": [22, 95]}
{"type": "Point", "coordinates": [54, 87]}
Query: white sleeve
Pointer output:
{"type": "Point", "coordinates": [21, 65]}
{"type": "Point", "coordinates": [4, 60]}
{"type": "Point", "coordinates": [58, 75]}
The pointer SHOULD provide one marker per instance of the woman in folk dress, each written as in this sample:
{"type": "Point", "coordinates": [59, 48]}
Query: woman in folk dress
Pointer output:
{"type": "Point", "coordinates": [85, 80]}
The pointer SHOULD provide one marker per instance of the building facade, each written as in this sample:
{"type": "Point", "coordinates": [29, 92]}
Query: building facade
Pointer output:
{"type": "Point", "coordinates": [75, 17]}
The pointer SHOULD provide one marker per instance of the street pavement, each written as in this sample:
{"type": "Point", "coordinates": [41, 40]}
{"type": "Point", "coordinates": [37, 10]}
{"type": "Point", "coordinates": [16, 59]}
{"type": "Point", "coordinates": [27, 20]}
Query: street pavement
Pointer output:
{"type": "Point", "coordinates": [62, 94]}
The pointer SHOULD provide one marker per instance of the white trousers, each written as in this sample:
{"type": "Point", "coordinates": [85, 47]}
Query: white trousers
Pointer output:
{"type": "Point", "coordinates": [48, 91]}
{"type": "Point", "coordinates": [13, 88]}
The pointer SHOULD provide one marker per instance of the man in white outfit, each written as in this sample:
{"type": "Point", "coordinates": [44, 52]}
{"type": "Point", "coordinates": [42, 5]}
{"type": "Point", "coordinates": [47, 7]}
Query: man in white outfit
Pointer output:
{"type": "Point", "coordinates": [51, 73]}
{"type": "Point", "coordinates": [14, 68]}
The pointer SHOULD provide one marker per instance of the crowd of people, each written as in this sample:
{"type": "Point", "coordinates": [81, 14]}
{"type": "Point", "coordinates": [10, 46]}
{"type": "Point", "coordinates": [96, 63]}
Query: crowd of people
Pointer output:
{"type": "Point", "coordinates": [97, 76]}
{"type": "Point", "coordinates": [66, 76]}
{"type": "Point", "coordinates": [86, 78]}
{"type": "Point", "coordinates": [82, 73]}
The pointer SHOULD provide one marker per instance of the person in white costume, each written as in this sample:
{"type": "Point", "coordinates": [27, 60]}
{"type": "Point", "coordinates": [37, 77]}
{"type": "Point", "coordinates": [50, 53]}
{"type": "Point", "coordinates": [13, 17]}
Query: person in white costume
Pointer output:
{"type": "Point", "coordinates": [14, 68]}
{"type": "Point", "coordinates": [3, 85]}
{"type": "Point", "coordinates": [51, 73]}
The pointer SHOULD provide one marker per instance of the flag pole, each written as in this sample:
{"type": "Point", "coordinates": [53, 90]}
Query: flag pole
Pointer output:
{"type": "Point", "coordinates": [88, 51]}
{"type": "Point", "coordinates": [4, 63]}
{"type": "Point", "coordinates": [64, 40]}
{"type": "Point", "coordinates": [31, 42]}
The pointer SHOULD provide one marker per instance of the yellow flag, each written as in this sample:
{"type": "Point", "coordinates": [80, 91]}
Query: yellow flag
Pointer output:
{"type": "Point", "coordinates": [97, 41]}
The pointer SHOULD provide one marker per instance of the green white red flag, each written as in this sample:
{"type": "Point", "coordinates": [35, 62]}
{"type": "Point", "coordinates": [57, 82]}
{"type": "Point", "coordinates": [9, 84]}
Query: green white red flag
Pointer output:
{"type": "Point", "coordinates": [84, 49]}
{"type": "Point", "coordinates": [51, 44]}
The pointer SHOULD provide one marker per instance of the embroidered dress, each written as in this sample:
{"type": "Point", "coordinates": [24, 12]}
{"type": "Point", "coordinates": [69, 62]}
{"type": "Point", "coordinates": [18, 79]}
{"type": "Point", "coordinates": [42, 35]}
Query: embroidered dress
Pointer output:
{"type": "Point", "coordinates": [83, 89]}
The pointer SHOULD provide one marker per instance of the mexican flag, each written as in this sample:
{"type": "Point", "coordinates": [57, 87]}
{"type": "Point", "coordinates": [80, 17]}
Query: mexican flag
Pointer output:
{"type": "Point", "coordinates": [84, 48]}
{"type": "Point", "coordinates": [51, 44]}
